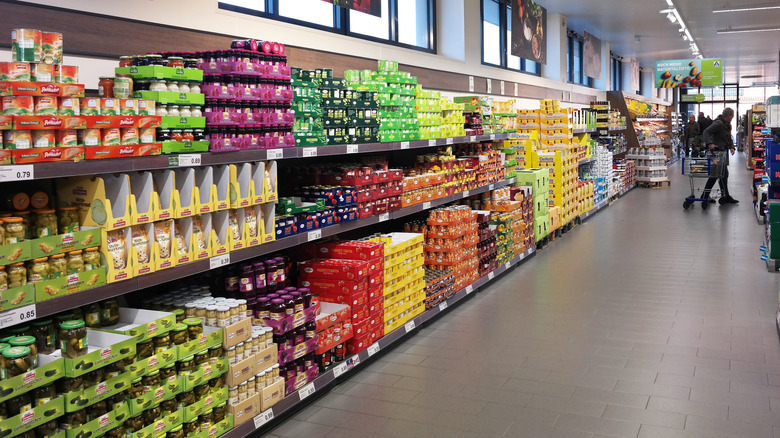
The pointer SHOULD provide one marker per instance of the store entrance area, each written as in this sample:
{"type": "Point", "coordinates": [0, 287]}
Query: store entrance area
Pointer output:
{"type": "Point", "coordinates": [647, 321]}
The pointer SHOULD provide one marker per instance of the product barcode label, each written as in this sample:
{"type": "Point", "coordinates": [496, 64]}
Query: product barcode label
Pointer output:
{"type": "Point", "coordinates": [219, 261]}
{"type": "Point", "coordinates": [384, 217]}
{"type": "Point", "coordinates": [426, 205]}
{"type": "Point", "coordinates": [339, 370]}
{"type": "Point", "coordinates": [491, 275]}
{"type": "Point", "coordinates": [263, 418]}
{"type": "Point", "coordinates": [432, 142]}
{"type": "Point", "coordinates": [469, 289]}
{"type": "Point", "coordinates": [373, 349]}
{"type": "Point", "coordinates": [409, 326]}
{"type": "Point", "coordinates": [306, 391]}
{"type": "Point", "coordinates": [404, 145]}
{"type": "Point", "coordinates": [17, 316]}
{"type": "Point", "coordinates": [274, 154]}
{"type": "Point", "coordinates": [189, 160]}
{"type": "Point", "coordinates": [450, 141]}
{"type": "Point", "coordinates": [309, 152]}
{"type": "Point", "coordinates": [442, 306]}
{"type": "Point", "coordinates": [314, 235]}
{"type": "Point", "coordinates": [353, 148]}
{"type": "Point", "coordinates": [17, 172]}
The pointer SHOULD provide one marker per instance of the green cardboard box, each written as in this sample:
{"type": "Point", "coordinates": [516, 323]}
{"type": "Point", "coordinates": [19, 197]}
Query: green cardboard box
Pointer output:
{"type": "Point", "coordinates": [333, 83]}
{"type": "Point", "coordinates": [104, 349]}
{"type": "Point", "coordinates": [28, 420]}
{"type": "Point", "coordinates": [311, 140]}
{"type": "Point", "coordinates": [15, 253]}
{"type": "Point", "coordinates": [161, 426]}
{"type": "Point", "coordinates": [142, 324]}
{"type": "Point", "coordinates": [153, 363]}
{"type": "Point", "coordinates": [49, 369]}
{"type": "Point", "coordinates": [294, 205]}
{"type": "Point", "coordinates": [216, 397]}
{"type": "Point", "coordinates": [60, 243]}
{"type": "Point", "coordinates": [171, 97]}
{"type": "Point", "coordinates": [70, 284]}
{"type": "Point", "coordinates": [185, 147]}
{"type": "Point", "coordinates": [17, 297]}
{"type": "Point", "coordinates": [338, 140]}
{"type": "Point", "coordinates": [78, 400]}
{"type": "Point", "coordinates": [306, 83]}
{"type": "Point", "coordinates": [216, 430]}
{"type": "Point", "coordinates": [160, 72]}
{"type": "Point", "coordinates": [328, 122]}
{"type": "Point", "coordinates": [363, 122]}
{"type": "Point", "coordinates": [170, 388]}
{"type": "Point", "coordinates": [211, 336]}
{"type": "Point", "coordinates": [172, 122]}
{"type": "Point", "coordinates": [100, 425]}
{"type": "Point", "coordinates": [204, 373]}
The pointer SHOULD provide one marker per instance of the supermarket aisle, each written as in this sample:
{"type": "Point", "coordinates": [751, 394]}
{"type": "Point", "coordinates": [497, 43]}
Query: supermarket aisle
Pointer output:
{"type": "Point", "coordinates": [647, 321]}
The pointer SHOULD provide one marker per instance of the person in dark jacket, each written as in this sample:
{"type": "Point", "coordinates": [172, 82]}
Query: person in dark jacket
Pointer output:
{"type": "Point", "coordinates": [717, 137]}
{"type": "Point", "coordinates": [692, 137]}
{"type": "Point", "coordinates": [704, 122]}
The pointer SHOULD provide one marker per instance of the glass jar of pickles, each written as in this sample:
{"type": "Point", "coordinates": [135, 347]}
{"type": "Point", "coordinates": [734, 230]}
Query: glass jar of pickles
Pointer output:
{"type": "Point", "coordinates": [176, 432]}
{"type": "Point", "coordinates": [17, 275]}
{"type": "Point", "coordinates": [91, 258]}
{"type": "Point", "coordinates": [38, 270]}
{"type": "Point", "coordinates": [45, 223]}
{"type": "Point", "coordinates": [167, 372]}
{"type": "Point", "coordinates": [186, 398]}
{"type": "Point", "coordinates": [73, 339]}
{"type": "Point", "coordinates": [92, 315]}
{"type": "Point", "coordinates": [3, 278]}
{"type": "Point", "coordinates": [179, 334]}
{"type": "Point", "coordinates": [161, 343]}
{"type": "Point", "coordinates": [136, 388]}
{"type": "Point", "coordinates": [67, 220]}
{"type": "Point", "coordinates": [194, 328]}
{"type": "Point", "coordinates": [219, 412]}
{"type": "Point", "coordinates": [185, 366]}
{"type": "Point", "coordinates": [151, 381]}
{"type": "Point", "coordinates": [29, 342]}
{"type": "Point", "coordinates": [14, 230]}
{"type": "Point", "coordinates": [75, 262]}
{"type": "Point", "coordinates": [109, 312]}
{"type": "Point", "coordinates": [190, 427]}
{"type": "Point", "coordinates": [44, 332]}
{"type": "Point", "coordinates": [58, 266]}
{"type": "Point", "coordinates": [134, 424]}
{"type": "Point", "coordinates": [16, 361]}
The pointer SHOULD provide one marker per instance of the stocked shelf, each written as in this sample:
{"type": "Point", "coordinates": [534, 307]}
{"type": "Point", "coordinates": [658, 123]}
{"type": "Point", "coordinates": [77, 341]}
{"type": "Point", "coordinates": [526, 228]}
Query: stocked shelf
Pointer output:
{"type": "Point", "coordinates": [651, 168]}
{"type": "Point", "coordinates": [134, 164]}
{"type": "Point", "coordinates": [651, 119]}
{"type": "Point", "coordinates": [264, 421]}
{"type": "Point", "coordinates": [50, 307]}
{"type": "Point", "coordinates": [587, 161]}
{"type": "Point", "coordinates": [585, 130]}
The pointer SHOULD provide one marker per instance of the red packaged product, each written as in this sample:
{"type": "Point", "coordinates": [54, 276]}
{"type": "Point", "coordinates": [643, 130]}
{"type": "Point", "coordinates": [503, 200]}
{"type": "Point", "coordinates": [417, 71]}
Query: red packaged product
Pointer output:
{"type": "Point", "coordinates": [334, 269]}
{"type": "Point", "coordinates": [376, 292]}
{"type": "Point", "coordinates": [333, 286]}
{"type": "Point", "coordinates": [351, 250]}
{"type": "Point", "coordinates": [357, 299]}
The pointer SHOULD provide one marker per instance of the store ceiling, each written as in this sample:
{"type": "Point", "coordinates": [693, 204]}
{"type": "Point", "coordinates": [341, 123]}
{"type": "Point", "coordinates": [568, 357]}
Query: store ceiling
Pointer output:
{"type": "Point", "coordinates": [636, 28]}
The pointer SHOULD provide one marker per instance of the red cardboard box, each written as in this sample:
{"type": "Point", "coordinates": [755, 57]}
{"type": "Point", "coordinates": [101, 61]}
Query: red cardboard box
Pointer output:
{"type": "Point", "coordinates": [360, 312]}
{"type": "Point", "coordinates": [351, 250]}
{"type": "Point", "coordinates": [361, 328]}
{"type": "Point", "coordinates": [376, 292]}
{"type": "Point", "coordinates": [359, 299]}
{"type": "Point", "coordinates": [130, 150]}
{"type": "Point", "coordinates": [376, 280]}
{"type": "Point", "coordinates": [47, 155]}
{"type": "Point", "coordinates": [334, 269]}
{"type": "Point", "coordinates": [377, 265]}
{"type": "Point", "coordinates": [332, 286]}
{"type": "Point", "coordinates": [22, 88]}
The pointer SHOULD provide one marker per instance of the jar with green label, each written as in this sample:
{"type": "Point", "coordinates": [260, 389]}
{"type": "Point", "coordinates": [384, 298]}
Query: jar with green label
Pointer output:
{"type": "Point", "coordinates": [29, 342]}
{"type": "Point", "coordinates": [17, 275]}
{"type": "Point", "coordinates": [44, 394]}
{"type": "Point", "coordinates": [75, 262]}
{"type": "Point", "coordinates": [185, 366]}
{"type": "Point", "coordinates": [167, 372]}
{"type": "Point", "coordinates": [92, 315]}
{"type": "Point", "coordinates": [45, 223]}
{"type": "Point", "coordinates": [151, 381]}
{"type": "Point", "coordinates": [16, 361]}
{"type": "Point", "coordinates": [38, 270]}
{"type": "Point", "coordinates": [58, 266]}
{"type": "Point", "coordinates": [73, 339]}
{"type": "Point", "coordinates": [109, 312]}
{"type": "Point", "coordinates": [161, 343]}
{"type": "Point", "coordinates": [91, 258]}
{"type": "Point", "coordinates": [67, 220]}
{"type": "Point", "coordinates": [179, 334]}
{"type": "Point", "coordinates": [44, 332]}
{"type": "Point", "coordinates": [144, 349]}
{"type": "Point", "coordinates": [194, 328]}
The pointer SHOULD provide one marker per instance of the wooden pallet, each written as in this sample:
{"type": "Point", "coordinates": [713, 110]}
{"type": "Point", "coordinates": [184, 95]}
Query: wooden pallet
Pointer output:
{"type": "Point", "coordinates": [657, 184]}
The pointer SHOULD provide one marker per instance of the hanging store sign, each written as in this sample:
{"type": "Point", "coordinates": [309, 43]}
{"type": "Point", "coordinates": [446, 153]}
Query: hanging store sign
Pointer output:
{"type": "Point", "coordinates": [684, 73]}
{"type": "Point", "coordinates": [529, 31]}
{"type": "Point", "coordinates": [692, 98]}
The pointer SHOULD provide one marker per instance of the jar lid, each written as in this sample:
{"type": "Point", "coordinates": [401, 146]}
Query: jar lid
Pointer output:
{"type": "Point", "coordinates": [57, 256]}
{"type": "Point", "coordinates": [136, 380]}
{"type": "Point", "coordinates": [178, 311]}
{"type": "Point", "coordinates": [242, 384]}
{"type": "Point", "coordinates": [176, 429]}
{"type": "Point", "coordinates": [21, 341]}
{"type": "Point", "coordinates": [68, 325]}
{"type": "Point", "coordinates": [223, 309]}
{"type": "Point", "coordinates": [211, 308]}
{"type": "Point", "coordinates": [42, 259]}
{"type": "Point", "coordinates": [190, 305]}
{"type": "Point", "coordinates": [193, 321]}
{"type": "Point", "coordinates": [75, 252]}
{"type": "Point", "coordinates": [153, 373]}
{"type": "Point", "coordinates": [179, 327]}
{"type": "Point", "coordinates": [221, 405]}
{"type": "Point", "coordinates": [189, 358]}
{"type": "Point", "coordinates": [286, 297]}
{"type": "Point", "coordinates": [105, 77]}
{"type": "Point", "coordinates": [16, 352]}
{"type": "Point", "coordinates": [201, 353]}
{"type": "Point", "coordinates": [277, 301]}
{"type": "Point", "coordinates": [12, 219]}
{"type": "Point", "coordinates": [42, 322]}
{"type": "Point", "coordinates": [241, 302]}
{"type": "Point", "coordinates": [231, 349]}
{"type": "Point", "coordinates": [3, 346]}
{"type": "Point", "coordinates": [67, 208]}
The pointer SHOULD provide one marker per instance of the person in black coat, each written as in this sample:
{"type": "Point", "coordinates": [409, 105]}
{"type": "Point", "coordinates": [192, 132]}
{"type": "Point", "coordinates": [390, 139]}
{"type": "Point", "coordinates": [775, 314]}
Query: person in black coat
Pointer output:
{"type": "Point", "coordinates": [692, 137]}
{"type": "Point", "coordinates": [717, 137]}
{"type": "Point", "coordinates": [704, 122]}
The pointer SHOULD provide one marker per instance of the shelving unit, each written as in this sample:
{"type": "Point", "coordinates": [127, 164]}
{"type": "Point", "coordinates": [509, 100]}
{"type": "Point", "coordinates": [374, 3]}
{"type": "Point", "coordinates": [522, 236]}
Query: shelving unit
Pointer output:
{"type": "Point", "coordinates": [754, 150]}
{"type": "Point", "coordinates": [618, 100]}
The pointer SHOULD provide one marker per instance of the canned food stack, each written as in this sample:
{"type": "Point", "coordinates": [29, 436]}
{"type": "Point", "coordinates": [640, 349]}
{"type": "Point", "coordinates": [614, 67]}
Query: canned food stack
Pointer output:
{"type": "Point", "coordinates": [487, 248]}
{"type": "Point", "coordinates": [451, 243]}
{"type": "Point", "coordinates": [169, 84]}
{"type": "Point", "coordinates": [477, 114]}
{"type": "Point", "coordinates": [505, 116]}
{"type": "Point", "coordinates": [249, 96]}
{"type": "Point", "coordinates": [45, 251]}
{"type": "Point", "coordinates": [308, 128]}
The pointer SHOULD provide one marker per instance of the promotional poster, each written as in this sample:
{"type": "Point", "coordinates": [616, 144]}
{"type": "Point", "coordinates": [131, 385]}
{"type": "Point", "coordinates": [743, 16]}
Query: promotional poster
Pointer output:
{"type": "Point", "coordinates": [591, 53]}
{"type": "Point", "coordinates": [529, 31]}
{"type": "Point", "coordinates": [684, 73]}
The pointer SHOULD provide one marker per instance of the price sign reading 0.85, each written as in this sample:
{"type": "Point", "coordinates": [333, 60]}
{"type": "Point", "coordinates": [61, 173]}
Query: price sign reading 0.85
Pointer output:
{"type": "Point", "coordinates": [17, 316]}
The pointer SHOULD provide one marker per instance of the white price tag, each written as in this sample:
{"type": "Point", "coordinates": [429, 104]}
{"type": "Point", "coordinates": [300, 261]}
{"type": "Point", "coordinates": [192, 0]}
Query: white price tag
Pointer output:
{"type": "Point", "coordinates": [508, 265]}
{"type": "Point", "coordinates": [353, 148]}
{"type": "Point", "coordinates": [314, 235]}
{"type": "Point", "coordinates": [489, 86]}
{"type": "Point", "coordinates": [306, 391]}
{"type": "Point", "coordinates": [466, 193]}
{"type": "Point", "coordinates": [432, 142]}
{"type": "Point", "coordinates": [404, 145]}
{"type": "Point", "coordinates": [17, 172]}
{"type": "Point", "coordinates": [219, 261]}
{"type": "Point", "coordinates": [426, 205]}
{"type": "Point", "coordinates": [274, 154]}
{"type": "Point", "coordinates": [503, 87]}
{"type": "Point", "coordinates": [471, 84]}
{"type": "Point", "coordinates": [409, 326]}
{"type": "Point", "coordinates": [472, 138]}
{"type": "Point", "coordinates": [263, 418]}
{"type": "Point", "coordinates": [384, 217]}
{"type": "Point", "coordinates": [492, 136]}
{"type": "Point", "coordinates": [450, 141]}
{"type": "Point", "coordinates": [515, 89]}
{"type": "Point", "coordinates": [309, 152]}
{"type": "Point", "coordinates": [373, 349]}
{"type": "Point", "coordinates": [491, 275]}
{"type": "Point", "coordinates": [491, 187]}
{"type": "Point", "coordinates": [442, 306]}
{"type": "Point", "coordinates": [17, 316]}
{"type": "Point", "coordinates": [469, 289]}
{"type": "Point", "coordinates": [189, 160]}
{"type": "Point", "coordinates": [339, 370]}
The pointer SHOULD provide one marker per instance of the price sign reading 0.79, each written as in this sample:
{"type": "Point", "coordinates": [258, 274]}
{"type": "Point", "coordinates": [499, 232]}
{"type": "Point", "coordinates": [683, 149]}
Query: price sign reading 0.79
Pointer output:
{"type": "Point", "coordinates": [17, 173]}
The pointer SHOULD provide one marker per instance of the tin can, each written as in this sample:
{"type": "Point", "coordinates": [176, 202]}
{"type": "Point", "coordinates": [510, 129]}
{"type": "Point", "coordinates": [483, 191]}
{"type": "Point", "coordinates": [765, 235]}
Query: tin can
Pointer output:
{"type": "Point", "coordinates": [18, 106]}
{"type": "Point", "coordinates": [111, 137]}
{"type": "Point", "coordinates": [69, 106]}
{"type": "Point", "coordinates": [42, 72]}
{"type": "Point", "coordinates": [46, 106]}
{"type": "Point", "coordinates": [127, 107]}
{"type": "Point", "coordinates": [129, 136]}
{"type": "Point", "coordinates": [67, 138]}
{"type": "Point", "coordinates": [147, 135]}
{"type": "Point", "coordinates": [123, 87]}
{"type": "Point", "coordinates": [26, 45]}
{"type": "Point", "coordinates": [51, 44]}
{"type": "Point", "coordinates": [17, 139]}
{"type": "Point", "coordinates": [90, 137]}
{"type": "Point", "coordinates": [108, 107]}
{"type": "Point", "coordinates": [89, 106]}
{"type": "Point", "coordinates": [66, 74]}
{"type": "Point", "coordinates": [43, 138]}
{"type": "Point", "coordinates": [14, 71]}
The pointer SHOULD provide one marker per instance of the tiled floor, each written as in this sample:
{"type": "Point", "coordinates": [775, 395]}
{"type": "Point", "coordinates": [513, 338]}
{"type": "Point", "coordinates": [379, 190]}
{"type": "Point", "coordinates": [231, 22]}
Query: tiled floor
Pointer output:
{"type": "Point", "coordinates": [647, 321]}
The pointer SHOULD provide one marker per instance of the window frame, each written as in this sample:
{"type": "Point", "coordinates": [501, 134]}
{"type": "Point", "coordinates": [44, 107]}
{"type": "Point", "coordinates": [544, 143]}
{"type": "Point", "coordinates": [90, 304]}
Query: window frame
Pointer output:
{"type": "Point", "coordinates": [341, 22]}
{"type": "Point", "coordinates": [585, 81]}
{"type": "Point", "coordinates": [503, 44]}
{"type": "Point", "coordinates": [616, 72]}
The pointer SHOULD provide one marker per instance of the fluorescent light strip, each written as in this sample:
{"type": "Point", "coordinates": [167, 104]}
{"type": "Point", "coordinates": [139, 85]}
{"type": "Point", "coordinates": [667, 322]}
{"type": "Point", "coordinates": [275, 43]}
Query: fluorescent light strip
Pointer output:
{"type": "Point", "coordinates": [760, 29]}
{"type": "Point", "coordinates": [744, 9]}
{"type": "Point", "coordinates": [677, 19]}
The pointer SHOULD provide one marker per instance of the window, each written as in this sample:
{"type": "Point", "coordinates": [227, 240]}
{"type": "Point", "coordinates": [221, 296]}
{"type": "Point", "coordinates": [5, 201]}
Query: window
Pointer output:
{"type": "Point", "coordinates": [574, 65]}
{"type": "Point", "coordinates": [616, 73]}
{"type": "Point", "coordinates": [407, 23]}
{"type": "Point", "coordinates": [496, 36]}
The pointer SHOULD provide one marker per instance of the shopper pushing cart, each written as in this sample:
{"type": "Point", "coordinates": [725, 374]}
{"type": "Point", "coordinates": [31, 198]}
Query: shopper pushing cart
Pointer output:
{"type": "Point", "coordinates": [717, 137]}
{"type": "Point", "coordinates": [712, 166]}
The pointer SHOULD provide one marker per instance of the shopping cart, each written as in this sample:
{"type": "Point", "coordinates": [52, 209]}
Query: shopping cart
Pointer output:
{"type": "Point", "coordinates": [712, 165]}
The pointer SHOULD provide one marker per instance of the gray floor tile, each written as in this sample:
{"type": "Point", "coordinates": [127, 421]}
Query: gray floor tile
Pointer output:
{"type": "Point", "coordinates": [644, 416]}
{"type": "Point", "coordinates": [597, 425]}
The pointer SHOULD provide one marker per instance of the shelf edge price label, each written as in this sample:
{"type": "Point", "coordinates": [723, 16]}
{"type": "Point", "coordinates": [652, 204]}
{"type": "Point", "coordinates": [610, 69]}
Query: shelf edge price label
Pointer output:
{"type": "Point", "coordinates": [306, 391]}
{"type": "Point", "coordinates": [491, 187]}
{"type": "Point", "coordinates": [404, 145]}
{"type": "Point", "coordinates": [373, 349]}
{"type": "Point", "coordinates": [508, 265]}
{"type": "Point", "coordinates": [432, 142]}
{"type": "Point", "coordinates": [384, 217]}
{"type": "Point", "coordinates": [492, 136]}
{"type": "Point", "coordinates": [443, 306]}
{"type": "Point", "coordinates": [491, 275]}
{"type": "Point", "coordinates": [469, 289]}
{"type": "Point", "coordinates": [472, 138]}
{"type": "Point", "coordinates": [450, 140]}
{"type": "Point", "coordinates": [426, 205]}
{"type": "Point", "coordinates": [190, 160]}
{"type": "Point", "coordinates": [17, 172]}
{"type": "Point", "coordinates": [17, 316]}
{"type": "Point", "coordinates": [339, 370]}
{"type": "Point", "coordinates": [353, 148]}
{"type": "Point", "coordinates": [263, 417]}
{"type": "Point", "coordinates": [274, 154]}
{"type": "Point", "coordinates": [314, 235]}
{"type": "Point", "coordinates": [309, 152]}
{"type": "Point", "coordinates": [466, 193]}
{"type": "Point", "coordinates": [409, 326]}
{"type": "Point", "coordinates": [219, 261]}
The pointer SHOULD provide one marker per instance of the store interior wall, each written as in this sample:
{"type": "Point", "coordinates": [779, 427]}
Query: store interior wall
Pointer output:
{"type": "Point", "coordinates": [462, 51]}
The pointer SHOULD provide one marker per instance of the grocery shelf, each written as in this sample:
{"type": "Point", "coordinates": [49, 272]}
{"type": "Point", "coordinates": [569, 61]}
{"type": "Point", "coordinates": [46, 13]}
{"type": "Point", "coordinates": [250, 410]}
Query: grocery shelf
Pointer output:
{"type": "Point", "coordinates": [585, 130]}
{"type": "Point", "coordinates": [587, 161]}
{"type": "Point", "coordinates": [56, 305]}
{"type": "Point", "coordinates": [651, 119]}
{"type": "Point", "coordinates": [596, 209]}
{"type": "Point", "coordinates": [646, 157]}
{"type": "Point", "coordinates": [651, 168]}
{"type": "Point", "coordinates": [265, 420]}
{"type": "Point", "coordinates": [65, 169]}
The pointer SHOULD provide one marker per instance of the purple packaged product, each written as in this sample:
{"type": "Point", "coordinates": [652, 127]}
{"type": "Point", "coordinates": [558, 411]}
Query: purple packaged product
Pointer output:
{"type": "Point", "coordinates": [247, 280]}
